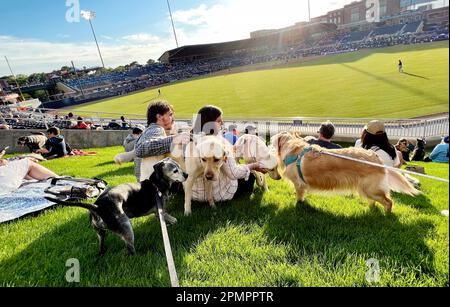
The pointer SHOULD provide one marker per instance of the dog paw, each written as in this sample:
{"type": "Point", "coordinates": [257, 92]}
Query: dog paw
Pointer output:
{"type": "Point", "coordinates": [187, 213]}
{"type": "Point", "coordinates": [117, 161]}
{"type": "Point", "coordinates": [170, 219]}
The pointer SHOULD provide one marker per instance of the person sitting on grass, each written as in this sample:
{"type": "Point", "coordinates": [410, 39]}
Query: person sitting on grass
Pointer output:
{"type": "Point", "coordinates": [56, 146]}
{"type": "Point", "coordinates": [130, 140]}
{"type": "Point", "coordinates": [12, 174]}
{"type": "Point", "coordinates": [326, 133]}
{"type": "Point", "coordinates": [440, 153]}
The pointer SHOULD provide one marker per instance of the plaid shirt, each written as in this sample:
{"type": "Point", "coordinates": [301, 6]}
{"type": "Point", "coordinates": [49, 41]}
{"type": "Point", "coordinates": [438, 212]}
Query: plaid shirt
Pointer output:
{"type": "Point", "coordinates": [153, 142]}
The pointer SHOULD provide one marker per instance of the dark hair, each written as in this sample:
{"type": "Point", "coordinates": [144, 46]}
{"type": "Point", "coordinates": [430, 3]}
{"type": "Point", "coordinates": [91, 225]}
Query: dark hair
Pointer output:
{"type": "Point", "coordinates": [70, 114]}
{"type": "Point", "coordinates": [327, 130]}
{"type": "Point", "coordinates": [53, 130]}
{"type": "Point", "coordinates": [157, 108]}
{"type": "Point", "coordinates": [137, 131]}
{"type": "Point", "coordinates": [381, 141]}
{"type": "Point", "coordinates": [207, 115]}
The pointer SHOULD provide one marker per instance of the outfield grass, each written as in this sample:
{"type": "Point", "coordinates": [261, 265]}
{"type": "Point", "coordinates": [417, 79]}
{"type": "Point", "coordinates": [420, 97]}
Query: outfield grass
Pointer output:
{"type": "Point", "coordinates": [363, 84]}
{"type": "Point", "coordinates": [267, 240]}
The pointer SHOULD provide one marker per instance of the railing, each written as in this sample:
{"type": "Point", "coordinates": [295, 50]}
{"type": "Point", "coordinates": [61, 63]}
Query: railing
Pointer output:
{"type": "Point", "coordinates": [395, 128]}
{"type": "Point", "coordinates": [345, 127]}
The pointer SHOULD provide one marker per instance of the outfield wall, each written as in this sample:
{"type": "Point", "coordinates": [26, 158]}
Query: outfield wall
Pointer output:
{"type": "Point", "coordinates": [82, 139]}
{"type": "Point", "coordinates": [78, 139]}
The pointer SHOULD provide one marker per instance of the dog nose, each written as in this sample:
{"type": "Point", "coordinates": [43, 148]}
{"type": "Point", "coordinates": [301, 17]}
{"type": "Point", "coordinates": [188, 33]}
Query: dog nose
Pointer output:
{"type": "Point", "coordinates": [209, 177]}
{"type": "Point", "coordinates": [185, 176]}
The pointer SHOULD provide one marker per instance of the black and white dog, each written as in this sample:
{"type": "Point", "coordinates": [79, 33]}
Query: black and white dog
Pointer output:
{"type": "Point", "coordinates": [115, 207]}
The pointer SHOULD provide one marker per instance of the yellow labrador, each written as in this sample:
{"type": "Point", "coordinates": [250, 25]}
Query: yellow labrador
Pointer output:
{"type": "Point", "coordinates": [203, 157]}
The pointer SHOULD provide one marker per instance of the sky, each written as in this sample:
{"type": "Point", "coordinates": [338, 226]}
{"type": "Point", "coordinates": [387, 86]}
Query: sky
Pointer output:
{"type": "Point", "coordinates": [43, 35]}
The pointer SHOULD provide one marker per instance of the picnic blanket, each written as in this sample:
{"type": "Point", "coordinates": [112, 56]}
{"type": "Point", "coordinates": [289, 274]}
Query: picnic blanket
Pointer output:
{"type": "Point", "coordinates": [30, 197]}
{"type": "Point", "coordinates": [26, 200]}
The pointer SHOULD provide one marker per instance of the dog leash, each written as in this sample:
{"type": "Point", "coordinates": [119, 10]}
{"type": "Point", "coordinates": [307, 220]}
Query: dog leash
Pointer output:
{"type": "Point", "coordinates": [383, 166]}
{"type": "Point", "coordinates": [167, 248]}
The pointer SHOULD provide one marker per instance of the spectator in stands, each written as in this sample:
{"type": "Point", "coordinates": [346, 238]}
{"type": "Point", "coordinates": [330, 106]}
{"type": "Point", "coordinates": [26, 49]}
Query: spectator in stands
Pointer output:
{"type": "Point", "coordinates": [326, 133]}
{"type": "Point", "coordinates": [234, 179]}
{"type": "Point", "coordinates": [113, 125]}
{"type": "Point", "coordinates": [72, 123]}
{"type": "Point", "coordinates": [81, 124]}
{"type": "Point", "coordinates": [154, 141]}
{"type": "Point", "coordinates": [440, 153]}
{"type": "Point", "coordinates": [125, 125]}
{"type": "Point", "coordinates": [12, 174]}
{"type": "Point", "coordinates": [56, 146]}
{"type": "Point", "coordinates": [231, 135]}
{"type": "Point", "coordinates": [130, 140]}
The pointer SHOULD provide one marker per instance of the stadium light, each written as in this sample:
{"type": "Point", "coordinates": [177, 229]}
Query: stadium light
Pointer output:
{"type": "Point", "coordinates": [89, 15]}
{"type": "Point", "coordinates": [309, 11]}
{"type": "Point", "coordinates": [15, 79]}
{"type": "Point", "coordinates": [173, 25]}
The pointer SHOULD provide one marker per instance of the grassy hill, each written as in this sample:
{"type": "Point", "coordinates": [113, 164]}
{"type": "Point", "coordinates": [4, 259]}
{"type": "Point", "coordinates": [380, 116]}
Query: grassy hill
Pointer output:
{"type": "Point", "coordinates": [360, 84]}
{"type": "Point", "coordinates": [266, 240]}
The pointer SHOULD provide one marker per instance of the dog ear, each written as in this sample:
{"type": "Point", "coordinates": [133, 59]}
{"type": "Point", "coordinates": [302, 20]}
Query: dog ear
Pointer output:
{"type": "Point", "coordinates": [158, 168]}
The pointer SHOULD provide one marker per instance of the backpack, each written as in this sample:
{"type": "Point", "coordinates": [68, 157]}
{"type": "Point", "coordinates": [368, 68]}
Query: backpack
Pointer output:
{"type": "Point", "coordinates": [75, 189]}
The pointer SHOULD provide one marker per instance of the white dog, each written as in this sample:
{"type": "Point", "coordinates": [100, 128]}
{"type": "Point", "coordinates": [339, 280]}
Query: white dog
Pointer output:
{"type": "Point", "coordinates": [253, 149]}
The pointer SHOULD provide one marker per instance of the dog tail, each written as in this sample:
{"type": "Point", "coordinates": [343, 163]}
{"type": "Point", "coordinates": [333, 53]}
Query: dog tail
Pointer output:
{"type": "Point", "coordinates": [400, 184]}
{"type": "Point", "coordinates": [90, 207]}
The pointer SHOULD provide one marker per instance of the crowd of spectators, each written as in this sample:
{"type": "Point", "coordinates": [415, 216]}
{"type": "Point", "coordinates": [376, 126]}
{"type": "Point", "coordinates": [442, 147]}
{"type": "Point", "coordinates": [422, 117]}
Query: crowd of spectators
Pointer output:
{"type": "Point", "coordinates": [11, 118]}
{"type": "Point", "coordinates": [116, 84]}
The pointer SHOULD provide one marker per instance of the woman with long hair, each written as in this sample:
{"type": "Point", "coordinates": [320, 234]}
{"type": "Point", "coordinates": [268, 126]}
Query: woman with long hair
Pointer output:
{"type": "Point", "coordinates": [234, 178]}
{"type": "Point", "coordinates": [374, 138]}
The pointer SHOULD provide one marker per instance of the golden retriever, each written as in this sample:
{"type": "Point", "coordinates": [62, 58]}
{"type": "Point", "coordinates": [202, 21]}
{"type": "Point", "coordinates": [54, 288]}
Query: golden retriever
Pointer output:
{"type": "Point", "coordinates": [326, 173]}
{"type": "Point", "coordinates": [253, 149]}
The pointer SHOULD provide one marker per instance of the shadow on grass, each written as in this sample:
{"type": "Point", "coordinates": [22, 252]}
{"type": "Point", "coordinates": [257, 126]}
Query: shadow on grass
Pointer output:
{"type": "Point", "coordinates": [420, 202]}
{"type": "Point", "coordinates": [356, 56]}
{"type": "Point", "coordinates": [107, 163]}
{"type": "Point", "coordinates": [416, 76]}
{"type": "Point", "coordinates": [398, 85]}
{"type": "Point", "coordinates": [306, 229]}
{"type": "Point", "coordinates": [314, 231]}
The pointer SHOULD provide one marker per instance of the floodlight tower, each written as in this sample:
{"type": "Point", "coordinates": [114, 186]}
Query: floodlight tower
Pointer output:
{"type": "Point", "coordinates": [173, 25]}
{"type": "Point", "coordinates": [89, 15]}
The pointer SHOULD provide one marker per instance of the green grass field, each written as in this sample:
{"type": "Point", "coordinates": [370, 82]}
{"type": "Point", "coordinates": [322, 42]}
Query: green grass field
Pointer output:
{"type": "Point", "coordinates": [364, 84]}
{"type": "Point", "coordinates": [267, 240]}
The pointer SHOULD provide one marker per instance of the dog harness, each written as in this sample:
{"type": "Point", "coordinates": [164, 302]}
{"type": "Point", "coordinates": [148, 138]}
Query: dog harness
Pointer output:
{"type": "Point", "coordinates": [298, 158]}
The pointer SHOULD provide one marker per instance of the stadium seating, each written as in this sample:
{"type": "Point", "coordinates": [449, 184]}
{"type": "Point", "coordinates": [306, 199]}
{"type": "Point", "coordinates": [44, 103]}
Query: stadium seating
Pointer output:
{"type": "Point", "coordinates": [412, 27]}
{"type": "Point", "coordinates": [391, 30]}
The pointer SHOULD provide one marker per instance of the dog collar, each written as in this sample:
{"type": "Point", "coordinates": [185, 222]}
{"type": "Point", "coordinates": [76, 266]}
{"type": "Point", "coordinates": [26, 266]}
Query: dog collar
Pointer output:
{"type": "Point", "coordinates": [298, 158]}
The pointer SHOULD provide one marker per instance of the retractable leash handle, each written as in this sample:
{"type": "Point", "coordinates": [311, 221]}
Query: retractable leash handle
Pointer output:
{"type": "Point", "coordinates": [167, 248]}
